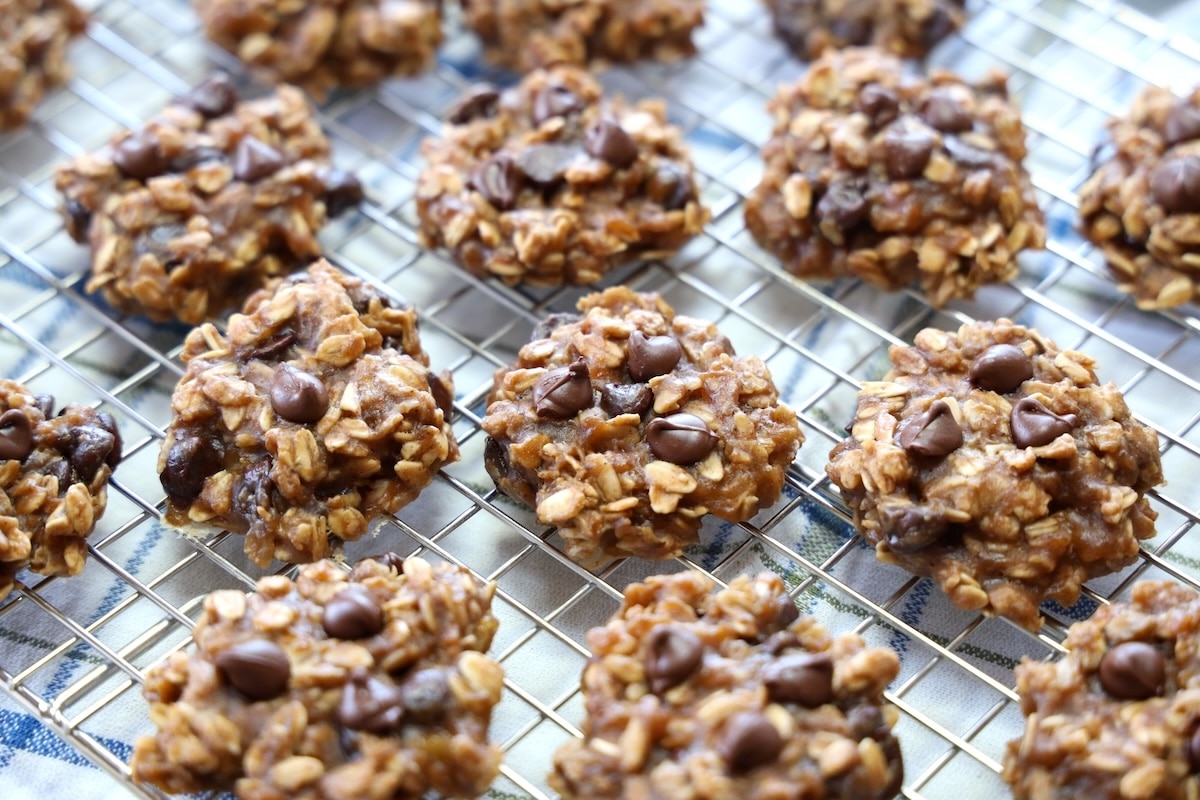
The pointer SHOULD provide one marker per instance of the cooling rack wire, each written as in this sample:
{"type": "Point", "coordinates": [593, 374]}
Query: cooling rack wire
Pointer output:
{"type": "Point", "coordinates": [1072, 63]}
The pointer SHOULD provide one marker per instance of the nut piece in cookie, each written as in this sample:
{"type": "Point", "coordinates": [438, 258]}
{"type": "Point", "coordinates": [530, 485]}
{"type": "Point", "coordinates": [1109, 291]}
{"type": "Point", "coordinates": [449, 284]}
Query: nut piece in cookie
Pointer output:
{"type": "Point", "coordinates": [54, 471]}
{"type": "Point", "coordinates": [326, 44]}
{"type": "Point", "coordinates": [998, 465]}
{"type": "Point", "coordinates": [207, 203]}
{"type": "Point", "coordinates": [372, 684]}
{"type": "Point", "coordinates": [1141, 207]}
{"type": "Point", "coordinates": [895, 180]}
{"type": "Point", "coordinates": [901, 27]}
{"type": "Point", "coordinates": [524, 35]}
{"type": "Point", "coordinates": [315, 413]}
{"type": "Point", "coordinates": [34, 35]}
{"type": "Point", "coordinates": [549, 182]}
{"type": "Point", "coordinates": [625, 425]}
{"type": "Point", "coordinates": [733, 694]}
{"type": "Point", "coordinates": [1118, 717]}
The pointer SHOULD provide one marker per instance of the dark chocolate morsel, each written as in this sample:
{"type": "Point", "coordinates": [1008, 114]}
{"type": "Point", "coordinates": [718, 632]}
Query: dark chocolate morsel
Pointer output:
{"type": "Point", "coordinates": [554, 101]}
{"type": "Point", "coordinates": [1193, 751]}
{"type": "Point", "coordinates": [866, 721]}
{"type": "Point", "coordinates": [625, 398]}
{"type": "Point", "coordinates": [498, 179]}
{"type": "Point", "coordinates": [968, 154]}
{"type": "Point", "coordinates": [442, 395]}
{"type": "Point", "coordinates": [254, 160]}
{"type": "Point", "coordinates": [352, 614]}
{"type": "Point", "coordinates": [749, 740]}
{"type": "Point", "coordinates": [1034, 425]}
{"type": "Point", "coordinates": [272, 348]}
{"type": "Point", "coordinates": [194, 157]}
{"type": "Point", "coordinates": [786, 615]}
{"type": "Point", "coordinates": [190, 461]}
{"type": "Point", "coordinates": [563, 392]}
{"type": "Point", "coordinates": [478, 102]}
{"type": "Point", "coordinates": [943, 111]}
{"type": "Point", "coordinates": [1183, 123]}
{"type": "Point", "coordinates": [138, 156]}
{"type": "Point", "coordinates": [608, 141]}
{"type": "Point", "coordinates": [680, 438]}
{"type": "Point", "coordinates": [425, 694]}
{"type": "Point", "coordinates": [933, 433]}
{"type": "Point", "coordinates": [392, 559]}
{"type": "Point", "coordinates": [45, 404]}
{"type": "Point", "coordinates": [16, 435]}
{"type": "Point", "coordinates": [551, 323]}
{"type": "Point", "coordinates": [546, 164]}
{"type": "Point", "coordinates": [669, 186]}
{"type": "Point", "coordinates": [298, 396]}
{"type": "Point", "coordinates": [370, 704]}
{"type": "Point", "coordinates": [804, 678]}
{"type": "Point", "coordinates": [258, 669]}
{"type": "Point", "coordinates": [878, 102]}
{"type": "Point", "coordinates": [1132, 671]}
{"type": "Point", "coordinates": [343, 190]}
{"type": "Point", "coordinates": [844, 205]}
{"type": "Point", "coordinates": [672, 655]}
{"type": "Point", "coordinates": [937, 26]}
{"type": "Point", "coordinates": [1175, 184]}
{"type": "Point", "coordinates": [89, 447]}
{"type": "Point", "coordinates": [1002, 368]}
{"type": "Point", "coordinates": [908, 146]}
{"type": "Point", "coordinates": [214, 97]}
{"type": "Point", "coordinates": [908, 528]}
{"type": "Point", "coordinates": [495, 460]}
{"type": "Point", "coordinates": [79, 219]}
{"type": "Point", "coordinates": [651, 356]}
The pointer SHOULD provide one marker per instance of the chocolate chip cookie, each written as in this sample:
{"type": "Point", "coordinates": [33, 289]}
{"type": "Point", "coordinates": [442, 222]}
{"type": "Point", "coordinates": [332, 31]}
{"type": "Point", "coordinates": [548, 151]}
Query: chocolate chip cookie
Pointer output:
{"type": "Point", "coordinates": [326, 44]}
{"type": "Point", "coordinates": [998, 465]}
{"type": "Point", "coordinates": [906, 28]}
{"type": "Point", "coordinates": [54, 472]}
{"type": "Point", "coordinates": [367, 685]}
{"type": "Point", "coordinates": [729, 695]}
{"type": "Point", "coordinates": [527, 34]}
{"type": "Point", "coordinates": [626, 424]}
{"type": "Point", "coordinates": [1141, 207]}
{"type": "Point", "coordinates": [549, 182]}
{"type": "Point", "coordinates": [895, 180]}
{"type": "Point", "coordinates": [207, 203]}
{"type": "Point", "coordinates": [313, 414]}
{"type": "Point", "coordinates": [33, 39]}
{"type": "Point", "coordinates": [1118, 718]}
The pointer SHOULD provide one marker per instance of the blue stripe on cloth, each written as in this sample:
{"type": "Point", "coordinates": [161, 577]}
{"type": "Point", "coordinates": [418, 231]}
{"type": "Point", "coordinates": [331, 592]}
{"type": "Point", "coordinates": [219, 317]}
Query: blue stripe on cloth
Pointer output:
{"type": "Point", "coordinates": [23, 732]}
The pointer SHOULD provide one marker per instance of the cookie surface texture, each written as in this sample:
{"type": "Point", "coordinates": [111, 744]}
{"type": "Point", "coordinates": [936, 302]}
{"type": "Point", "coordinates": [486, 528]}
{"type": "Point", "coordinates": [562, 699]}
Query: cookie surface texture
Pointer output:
{"type": "Point", "coordinates": [34, 35]}
{"type": "Point", "coordinates": [905, 28]}
{"type": "Point", "coordinates": [1000, 466]}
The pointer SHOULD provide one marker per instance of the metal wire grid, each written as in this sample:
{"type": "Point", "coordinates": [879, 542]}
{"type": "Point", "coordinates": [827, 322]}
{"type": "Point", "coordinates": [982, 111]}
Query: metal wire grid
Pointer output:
{"type": "Point", "coordinates": [1073, 62]}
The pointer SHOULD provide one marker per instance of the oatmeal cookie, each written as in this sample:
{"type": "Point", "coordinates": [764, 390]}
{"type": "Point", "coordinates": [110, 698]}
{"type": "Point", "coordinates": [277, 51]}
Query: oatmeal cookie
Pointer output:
{"type": "Point", "coordinates": [626, 425]}
{"type": "Point", "coordinates": [1118, 718]}
{"type": "Point", "coordinates": [326, 44]}
{"type": "Point", "coordinates": [550, 182]}
{"type": "Point", "coordinates": [1141, 207]}
{"type": "Point", "coordinates": [370, 685]}
{"type": "Point", "coordinates": [730, 696]}
{"type": "Point", "coordinates": [207, 203]}
{"type": "Point", "coordinates": [33, 40]}
{"type": "Point", "coordinates": [315, 413]}
{"type": "Point", "coordinates": [54, 474]}
{"type": "Point", "coordinates": [895, 180]}
{"type": "Point", "coordinates": [524, 35]}
{"type": "Point", "coordinates": [998, 465]}
{"type": "Point", "coordinates": [907, 28]}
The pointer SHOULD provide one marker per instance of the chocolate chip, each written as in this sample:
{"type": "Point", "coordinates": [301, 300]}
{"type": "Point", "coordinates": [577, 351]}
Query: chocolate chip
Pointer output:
{"type": "Point", "coordinates": [393, 560]}
{"type": "Point", "coordinates": [90, 446]}
{"type": "Point", "coordinates": [1132, 671]}
{"type": "Point", "coordinates": [555, 101]}
{"type": "Point", "coordinates": [44, 404]}
{"type": "Point", "coordinates": [498, 179]}
{"type": "Point", "coordinates": [866, 721]}
{"type": "Point", "coordinates": [214, 97]}
{"type": "Point", "coordinates": [254, 160]}
{"type": "Point", "coordinates": [546, 164]}
{"type": "Point", "coordinates": [651, 356]}
{"type": "Point", "coordinates": [669, 186]}
{"type": "Point", "coordinates": [680, 438]}
{"type": "Point", "coordinates": [495, 461]}
{"type": "Point", "coordinates": [786, 615]}
{"type": "Point", "coordinates": [968, 154]}
{"type": "Point", "coordinates": [1183, 123]}
{"type": "Point", "coordinates": [907, 149]}
{"type": "Point", "coordinates": [352, 614]}
{"type": "Point", "coordinates": [1176, 184]}
{"type": "Point", "coordinates": [252, 491]}
{"type": "Point", "coordinates": [194, 157]}
{"type": "Point", "coordinates": [298, 396]}
{"type": "Point", "coordinates": [343, 190]}
{"type": "Point", "coordinates": [79, 219]}
{"type": "Point", "coordinates": [843, 205]}
{"type": "Point", "coordinates": [879, 103]}
{"type": "Point", "coordinates": [551, 323]}
{"type": "Point", "coordinates": [478, 102]}
{"type": "Point", "coordinates": [257, 668]}
{"type": "Point", "coordinates": [804, 678]}
{"type": "Point", "coordinates": [442, 396]}
{"type": "Point", "coordinates": [933, 433]}
{"type": "Point", "coordinates": [943, 111]}
{"type": "Point", "coordinates": [563, 392]}
{"type": "Point", "coordinates": [850, 31]}
{"type": "Point", "coordinates": [272, 348]}
{"type": "Point", "coordinates": [608, 141]}
{"type": "Point", "coordinates": [190, 461]}
{"type": "Point", "coordinates": [938, 25]}
{"type": "Point", "coordinates": [1002, 368]}
{"type": "Point", "coordinates": [1034, 425]}
{"type": "Point", "coordinates": [16, 435]}
{"type": "Point", "coordinates": [909, 529]}
{"type": "Point", "coordinates": [672, 655]}
{"type": "Point", "coordinates": [138, 156]}
{"type": "Point", "coordinates": [1193, 751]}
{"type": "Point", "coordinates": [748, 740]}
{"type": "Point", "coordinates": [625, 398]}
{"type": "Point", "coordinates": [370, 704]}
{"type": "Point", "coordinates": [425, 694]}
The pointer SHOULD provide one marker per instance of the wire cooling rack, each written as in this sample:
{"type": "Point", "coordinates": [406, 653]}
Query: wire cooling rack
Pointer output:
{"type": "Point", "coordinates": [72, 652]}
